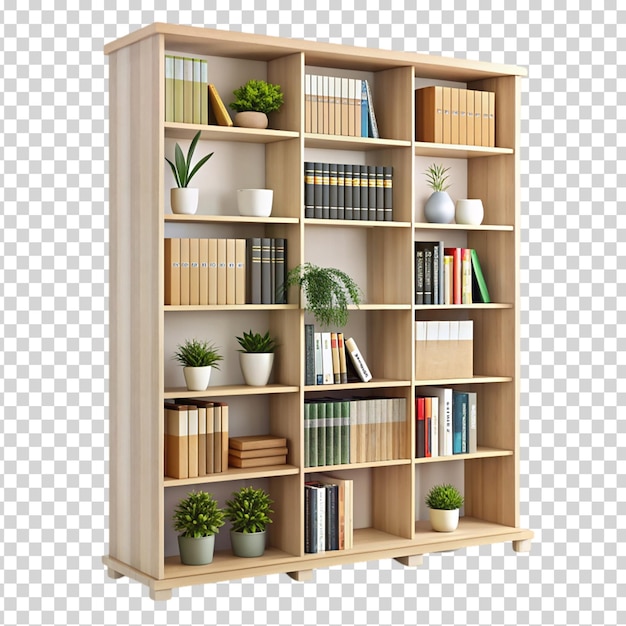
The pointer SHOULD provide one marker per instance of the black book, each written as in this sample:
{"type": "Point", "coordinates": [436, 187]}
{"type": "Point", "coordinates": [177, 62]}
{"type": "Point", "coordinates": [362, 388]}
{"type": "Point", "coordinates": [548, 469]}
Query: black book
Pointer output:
{"type": "Point", "coordinates": [317, 193]}
{"type": "Point", "coordinates": [280, 256]}
{"type": "Point", "coordinates": [356, 192]}
{"type": "Point", "coordinates": [340, 191]}
{"type": "Point", "coordinates": [364, 193]}
{"type": "Point", "coordinates": [325, 191]}
{"type": "Point", "coordinates": [347, 192]}
{"type": "Point", "coordinates": [266, 271]}
{"type": "Point", "coordinates": [309, 189]}
{"type": "Point", "coordinates": [332, 517]}
{"type": "Point", "coordinates": [333, 190]}
{"type": "Point", "coordinates": [253, 272]}
{"type": "Point", "coordinates": [380, 194]}
{"type": "Point", "coordinates": [388, 192]}
{"type": "Point", "coordinates": [371, 193]}
{"type": "Point", "coordinates": [419, 272]}
{"type": "Point", "coordinates": [309, 354]}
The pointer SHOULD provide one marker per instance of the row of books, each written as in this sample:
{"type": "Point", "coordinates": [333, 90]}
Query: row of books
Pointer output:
{"type": "Point", "coordinates": [330, 359]}
{"type": "Point", "coordinates": [196, 438]}
{"type": "Point", "coordinates": [339, 106]}
{"type": "Point", "coordinates": [328, 514]}
{"type": "Point", "coordinates": [225, 271]}
{"type": "Point", "coordinates": [355, 430]}
{"type": "Point", "coordinates": [445, 422]}
{"type": "Point", "coordinates": [186, 90]}
{"type": "Point", "coordinates": [348, 192]}
{"type": "Point", "coordinates": [444, 349]}
{"type": "Point", "coordinates": [458, 116]}
{"type": "Point", "coordinates": [448, 275]}
{"type": "Point", "coordinates": [257, 451]}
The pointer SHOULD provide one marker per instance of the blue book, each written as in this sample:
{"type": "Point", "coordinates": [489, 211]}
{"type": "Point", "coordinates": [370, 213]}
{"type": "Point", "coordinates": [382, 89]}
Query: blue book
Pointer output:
{"type": "Point", "coordinates": [365, 116]}
{"type": "Point", "coordinates": [460, 403]}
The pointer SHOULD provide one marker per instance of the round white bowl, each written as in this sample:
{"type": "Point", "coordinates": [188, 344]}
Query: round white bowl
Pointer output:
{"type": "Point", "coordinates": [255, 202]}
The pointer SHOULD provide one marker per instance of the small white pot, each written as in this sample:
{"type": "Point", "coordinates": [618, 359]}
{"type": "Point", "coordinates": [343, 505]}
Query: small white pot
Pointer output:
{"type": "Point", "coordinates": [255, 202]}
{"type": "Point", "coordinates": [439, 208]}
{"type": "Point", "coordinates": [256, 367]}
{"type": "Point", "coordinates": [444, 521]}
{"type": "Point", "coordinates": [184, 200]}
{"type": "Point", "coordinates": [469, 211]}
{"type": "Point", "coordinates": [197, 378]}
{"type": "Point", "coordinates": [251, 119]}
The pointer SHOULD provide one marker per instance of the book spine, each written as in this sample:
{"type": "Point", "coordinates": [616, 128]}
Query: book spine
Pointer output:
{"type": "Point", "coordinates": [371, 193]}
{"type": "Point", "coordinates": [321, 434]}
{"type": "Point", "coordinates": [172, 271]}
{"type": "Point", "coordinates": [481, 291]}
{"type": "Point", "coordinates": [419, 428]}
{"type": "Point", "coordinates": [280, 270]}
{"type": "Point", "coordinates": [204, 271]}
{"type": "Point", "coordinates": [231, 266]}
{"type": "Point", "coordinates": [419, 272]}
{"type": "Point", "coordinates": [380, 194]}
{"type": "Point", "coordinates": [194, 271]}
{"type": "Point", "coordinates": [329, 433]}
{"type": "Point", "coordinates": [318, 191]}
{"type": "Point", "coordinates": [388, 192]}
{"type": "Point", "coordinates": [184, 271]}
{"type": "Point", "coordinates": [309, 351]}
{"type": "Point", "coordinates": [253, 277]}
{"type": "Point", "coordinates": [347, 198]}
{"type": "Point", "coordinates": [221, 271]}
{"type": "Point", "coordinates": [197, 86]}
{"type": "Point", "coordinates": [364, 182]}
{"type": "Point", "coordinates": [169, 88]}
{"type": "Point", "coordinates": [340, 191]}
{"type": "Point", "coordinates": [356, 192]}
{"type": "Point", "coordinates": [472, 432]}
{"type": "Point", "coordinates": [466, 276]}
{"type": "Point", "coordinates": [332, 193]}
{"type": "Point", "coordinates": [319, 367]}
{"type": "Point", "coordinates": [266, 271]}
{"type": "Point", "coordinates": [428, 273]}
{"type": "Point", "coordinates": [327, 359]}
{"type": "Point", "coordinates": [373, 125]}
{"type": "Point", "coordinates": [334, 344]}
{"type": "Point", "coordinates": [365, 115]}
{"type": "Point", "coordinates": [179, 108]}
{"type": "Point", "coordinates": [307, 435]}
{"type": "Point", "coordinates": [325, 191]}
{"type": "Point", "coordinates": [309, 189]}
{"type": "Point", "coordinates": [343, 369]}
{"type": "Point", "coordinates": [358, 360]}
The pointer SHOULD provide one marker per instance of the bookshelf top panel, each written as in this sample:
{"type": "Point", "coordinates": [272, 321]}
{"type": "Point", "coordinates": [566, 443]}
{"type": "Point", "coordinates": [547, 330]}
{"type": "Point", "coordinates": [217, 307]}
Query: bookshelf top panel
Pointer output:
{"type": "Point", "coordinates": [207, 41]}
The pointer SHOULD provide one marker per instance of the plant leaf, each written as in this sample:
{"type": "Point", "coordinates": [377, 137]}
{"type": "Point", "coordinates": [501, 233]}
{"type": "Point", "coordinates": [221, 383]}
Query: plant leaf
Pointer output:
{"type": "Point", "coordinates": [198, 165]}
{"type": "Point", "coordinates": [181, 166]}
{"type": "Point", "coordinates": [175, 172]}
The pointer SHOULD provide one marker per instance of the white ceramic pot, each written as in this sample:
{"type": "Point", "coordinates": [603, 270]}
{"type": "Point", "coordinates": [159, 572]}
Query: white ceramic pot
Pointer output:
{"type": "Point", "coordinates": [439, 208]}
{"type": "Point", "coordinates": [184, 200]}
{"type": "Point", "coordinates": [444, 521]}
{"type": "Point", "coordinates": [255, 202]}
{"type": "Point", "coordinates": [251, 119]}
{"type": "Point", "coordinates": [197, 378]}
{"type": "Point", "coordinates": [256, 367]}
{"type": "Point", "coordinates": [469, 211]}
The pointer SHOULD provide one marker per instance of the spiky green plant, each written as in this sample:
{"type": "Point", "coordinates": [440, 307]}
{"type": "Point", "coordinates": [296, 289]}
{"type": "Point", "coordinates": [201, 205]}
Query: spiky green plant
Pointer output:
{"type": "Point", "coordinates": [257, 95]}
{"type": "Point", "coordinates": [256, 342]}
{"type": "Point", "coordinates": [328, 292]}
{"type": "Point", "coordinates": [181, 168]}
{"type": "Point", "coordinates": [198, 515]}
{"type": "Point", "coordinates": [444, 497]}
{"type": "Point", "coordinates": [196, 353]}
{"type": "Point", "coordinates": [248, 510]}
{"type": "Point", "coordinates": [436, 177]}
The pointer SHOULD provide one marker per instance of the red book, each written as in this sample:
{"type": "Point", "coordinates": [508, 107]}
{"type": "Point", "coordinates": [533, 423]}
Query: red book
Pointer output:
{"type": "Point", "coordinates": [420, 450]}
{"type": "Point", "coordinates": [428, 414]}
{"type": "Point", "coordinates": [457, 276]}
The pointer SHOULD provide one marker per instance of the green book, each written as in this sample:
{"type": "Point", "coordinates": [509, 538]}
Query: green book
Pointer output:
{"type": "Point", "coordinates": [345, 431]}
{"type": "Point", "coordinates": [307, 435]}
{"type": "Point", "coordinates": [321, 434]}
{"type": "Point", "coordinates": [313, 434]}
{"type": "Point", "coordinates": [480, 292]}
{"type": "Point", "coordinates": [330, 433]}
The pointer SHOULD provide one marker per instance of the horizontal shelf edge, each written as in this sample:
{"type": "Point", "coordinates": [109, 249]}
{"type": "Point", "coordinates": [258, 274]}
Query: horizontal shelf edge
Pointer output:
{"type": "Point", "coordinates": [234, 473]}
{"type": "Point", "coordinates": [462, 227]}
{"type": "Point", "coordinates": [372, 384]}
{"type": "Point", "coordinates": [315, 221]}
{"type": "Point", "coordinates": [177, 130]}
{"type": "Point", "coordinates": [229, 307]}
{"type": "Point", "coordinates": [465, 381]}
{"type": "Point", "coordinates": [344, 142]}
{"type": "Point", "coordinates": [352, 466]}
{"type": "Point", "coordinates": [228, 219]}
{"type": "Point", "coordinates": [458, 151]}
{"type": "Point", "coordinates": [229, 390]}
{"type": "Point", "coordinates": [455, 307]}
{"type": "Point", "coordinates": [482, 453]}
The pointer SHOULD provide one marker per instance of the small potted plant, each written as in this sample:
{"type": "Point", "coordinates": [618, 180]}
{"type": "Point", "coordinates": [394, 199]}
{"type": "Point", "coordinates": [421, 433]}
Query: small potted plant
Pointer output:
{"type": "Point", "coordinates": [256, 357]}
{"type": "Point", "coordinates": [439, 208]}
{"type": "Point", "coordinates": [253, 101]}
{"type": "Point", "coordinates": [248, 511]}
{"type": "Point", "coordinates": [328, 292]}
{"type": "Point", "coordinates": [444, 502]}
{"type": "Point", "coordinates": [197, 518]}
{"type": "Point", "coordinates": [197, 358]}
{"type": "Point", "coordinates": [184, 199]}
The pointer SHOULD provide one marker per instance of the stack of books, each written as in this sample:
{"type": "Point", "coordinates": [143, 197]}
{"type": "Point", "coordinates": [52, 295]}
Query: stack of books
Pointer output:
{"type": "Point", "coordinates": [348, 192]}
{"type": "Point", "coordinates": [446, 422]}
{"type": "Point", "coordinates": [186, 90]}
{"type": "Point", "coordinates": [257, 451]}
{"type": "Point", "coordinates": [339, 106]}
{"type": "Point", "coordinates": [328, 514]}
{"type": "Point", "coordinates": [196, 438]}
{"type": "Point", "coordinates": [456, 116]}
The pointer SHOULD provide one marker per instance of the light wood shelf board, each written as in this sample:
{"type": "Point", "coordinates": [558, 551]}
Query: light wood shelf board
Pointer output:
{"type": "Point", "coordinates": [342, 142]}
{"type": "Point", "coordinates": [311, 221]}
{"type": "Point", "coordinates": [458, 307]}
{"type": "Point", "coordinates": [375, 383]}
{"type": "Point", "coordinates": [352, 466]}
{"type": "Point", "coordinates": [463, 227]}
{"type": "Point", "coordinates": [365, 306]}
{"type": "Point", "coordinates": [234, 473]}
{"type": "Point", "coordinates": [179, 130]}
{"type": "Point", "coordinates": [482, 453]}
{"type": "Point", "coordinates": [227, 219]}
{"type": "Point", "coordinates": [453, 151]}
{"type": "Point", "coordinates": [463, 381]}
{"type": "Point", "coordinates": [228, 390]}
{"type": "Point", "coordinates": [170, 308]}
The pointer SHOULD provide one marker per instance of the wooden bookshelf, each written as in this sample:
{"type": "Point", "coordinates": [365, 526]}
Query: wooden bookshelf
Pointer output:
{"type": "Point", "coordinates": [378, 254]}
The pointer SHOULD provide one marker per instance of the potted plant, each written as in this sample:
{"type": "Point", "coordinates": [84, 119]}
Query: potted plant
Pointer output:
{"type": "Point", "coordinates": [439, 208]}
{"type": "Point", "coordinates": [197, 358]}
{"type": "Point", "coordinates": [444, 502]}
{"type": "Point", "coordinates": [256, 357]}
{"type": "Point", "coordinates": [197, 518]}
{"type": "Point", "coordinates": [248, 511]}
{"type": "Point", "coordinates": [254, 100]}
{"type": "Point", "coordinates": [328, 292]}
{"type": "Point", "coordinates": [184, 199]}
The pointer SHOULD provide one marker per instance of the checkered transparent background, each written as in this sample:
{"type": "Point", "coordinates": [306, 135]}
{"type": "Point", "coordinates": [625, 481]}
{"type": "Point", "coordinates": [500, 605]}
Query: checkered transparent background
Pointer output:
{"type": "Point", "coordinates": [53, 306]}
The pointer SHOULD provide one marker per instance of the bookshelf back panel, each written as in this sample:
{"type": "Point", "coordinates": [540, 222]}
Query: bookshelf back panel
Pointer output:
{"type": "Point", "coordinates": [431, 474]}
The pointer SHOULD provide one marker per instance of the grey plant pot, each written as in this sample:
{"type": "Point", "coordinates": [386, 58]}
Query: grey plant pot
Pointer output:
{"type": "Point", "coordinates": [439, 208]}
{"type": "Point", "coordinates": [247, 544]}
{"type": "Point", "coordinates": [196, 551]}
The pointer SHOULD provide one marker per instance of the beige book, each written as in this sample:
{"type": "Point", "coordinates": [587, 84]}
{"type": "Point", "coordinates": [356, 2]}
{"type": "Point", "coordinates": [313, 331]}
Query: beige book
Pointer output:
{"type": "Point", "coordinates": [255, 454]}
{"type": "Point", "coordinates": [307, 103]}
{"type": "Point", "coordinates": [194, 271]}
{"type": "Point", "coordinates": [221, 271]}
{"type": "Point", "coordinates": [257, 442]}
{"type": "Point", "coordinates": [485, 118]}
{"type": "Point", "coordinates": [356, 103]}
{"type": "Point", "coordinates": [320, 105]}
{"type": "Point", "coordinates": [447, 123]}
{"type": "Point", "coordinates": [224, 437]}
{"type": "Point", "coordinates": [469, 107]}
{"type": "Point", "coordinates": [220, 112]}
{"type": "Point", "coordinates": [172, 271]}
{"type": "Point", "coordinates": [492, 119]}
{"type": "Point", "coordinates": [179, 81]}
{"type": "Point", "coordinates": [329, 83]}
{"type": "Point", "coordinates": [463, 116]}
{"type": "Point", "coordinates": [345, 107]}
{"type": "Point", "coordinates": [176, 444]}
{"type": "Point", "coordinates": [197, 88]}
{"type": "Point", "coordinates": [337, 105]}
{"type": "Point", "coordinates": [454, 115]}
{"type": "Point", "coordinates": [204, 271]}
{"type": "Point", "coordinates": [212, 271]}
{"type": "Point", "coordinates": [314, 128]}
{"type": "Point", "coordinates": [258, 462]}
{"type": "Point", "coordinates": [240, 271]}
{"type": "Point", "coordinates": [230, 271]}
{"type": "Point", "coordinates": [202, 441]}
{"type": "Point", "coordinates": [184, 271]}
{"type": "Point", "coordinates": [478, 118]}
{"type": "Point", "coordinates": [192, 441]}
{"type": "Point", "coordinates": [188, 90]}
{"type": "Point", "coordinates": [210, 436]}
{"type": "Point", "coordinates": [217, 437]}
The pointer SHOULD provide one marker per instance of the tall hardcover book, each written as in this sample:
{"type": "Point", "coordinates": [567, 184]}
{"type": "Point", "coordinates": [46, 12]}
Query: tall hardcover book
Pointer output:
{"type": "Point", "coordinates": [373, 124]}
{"type": "Point", "coordinates": [219, 111]}
{"type": "Point", "coordinates": [332, 191]}
{"type": "Point", "coordinates": [319, 366]}
{"type": "Point", "coordinates": [309, 188]}
{"type": "Point", "coordinates": [169, 88]}
{"type": "Point", "coordinates": [347, 191]}
{"type": "Point", "coordinates": [340, 191]}
{"type": "Point", "coordinates": [472, 431]}
{"type": "Point", "coordinates": [204, 270]}
{"type": "Point", "coordinates": [457, 275]}
{"type": "Point", "coordinates": [192, 440]}
{"type": "Point", "coordinates": [343, 369]}
{"type": "Point", "coordinates": [380, 194]}
{"type": "Point", "coordinates": [221, 271]}
{"type": "Point", "coordinates": [356, 192]}
{"type": "Point", "coordinates": [327, 360]}
{"type": "Point", "coordinates": [318, 187]}
{"type": "Point", "coordinates": [309, 354]}
{"type": "Point", "coordinates": [188, 90]}
{"type": "Point", "coordinates": [480, 293]}
{"type": "Point", "coordinates": [253, 275]}
{"type": "Point", "coordinates": [179, 82]}
{"type": "Point", "coordinates": [240, 271]}
{"type": "Point", "coordinates": [172, 271]}
{"type": "Point", "coordinates": [388, 192]}
{"type": "Point", "coordinates": [357, 360]}
{"type": "Point", "coordinates": [176, 444]}
{"type": "Point", "coordinates": [212, 271]}
{"type": "Point", "coordinates": [420, 451]}
{"type": "Point", "coordinates": [194, 271]}
{"type": "Point", "coordinates": [184, 271]}
{"type": "Point", "coordinates": [266, 271]}
{"type": "Point", "coordinates": [364, 182]}
{"type": "Point", "coordinates": [445, 416]}
{"type": "Point", "coordinates": [429, 114]}
{"type": "Point", "coordinates": [371, 193]}
{"type": "Point", "coordinates": [325, 191]}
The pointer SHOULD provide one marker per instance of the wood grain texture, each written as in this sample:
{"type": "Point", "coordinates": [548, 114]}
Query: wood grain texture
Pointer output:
{"type": "Point", "coordinates": [393, 501]}
{"type": "Point", "coordinates": [393, 104]}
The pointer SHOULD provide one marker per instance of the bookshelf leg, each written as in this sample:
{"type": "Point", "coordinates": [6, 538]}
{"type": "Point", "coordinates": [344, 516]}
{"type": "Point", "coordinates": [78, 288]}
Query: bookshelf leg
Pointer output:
{"type": "Point", "coordinates": [111, 573]}
{"type": "Point", "coordinates": [159, 595]}
{"type": "Point", "coordinates": [414, 560]}
{"type": "Point", "coordinates": [302, 575]}
{"type": "Point", "coordinates": [522, 546]}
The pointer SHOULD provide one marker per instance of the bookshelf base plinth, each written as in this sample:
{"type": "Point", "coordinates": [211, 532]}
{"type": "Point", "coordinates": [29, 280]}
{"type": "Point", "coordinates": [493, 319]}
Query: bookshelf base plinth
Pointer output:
{"type": "Point", "coordinates": [301, 575]}
{"type": "Point", "coordinates": [413, 560]}
{"type": "Point", "coordinates": [522, 545]}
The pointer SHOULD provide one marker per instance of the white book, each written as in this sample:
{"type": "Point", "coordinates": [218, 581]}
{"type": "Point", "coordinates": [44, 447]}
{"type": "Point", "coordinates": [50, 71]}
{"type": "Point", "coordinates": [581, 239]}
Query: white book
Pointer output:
{"type": "Point", "coordinates": [444, 394]}
{"type": "Point", "coordinates": [327, 360]}
{"type": "Point", "coordinates": [473, 418]}
{"type": "Point", "coordinates": [319, 374]}
{"type": "Point", "coordinates": [358, 361]}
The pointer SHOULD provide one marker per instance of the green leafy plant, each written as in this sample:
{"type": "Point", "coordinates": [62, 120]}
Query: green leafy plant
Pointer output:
{"type": "Point", "coordinates": [198, 515]}
{"type": "Point", "coordinates": [256, 342]}
{"type": "Point", "coordinates": [196, 353]}
{"type": "Point", "coordinates": [328, 292]}
{"type": "Point", "coordinates": [444, 497]}
{"type": "Point", "coordinates": [249, 510]}
{"type": "Point", "coordinates": [436, 176]}
{"type": "Point", "coordinates": [181, 167]}
{"type": "Point", "coordinates": [257, 95]}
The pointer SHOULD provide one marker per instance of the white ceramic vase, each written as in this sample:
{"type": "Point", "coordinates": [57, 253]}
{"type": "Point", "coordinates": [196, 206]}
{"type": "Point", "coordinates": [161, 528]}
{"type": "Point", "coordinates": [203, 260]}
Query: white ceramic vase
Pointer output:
{"type": "Point", "coordinates": [439, 208]}
{"type": "Point", "coordinates": [444, 521]}
{"type": "Point", "coordinates": [469, 211]}
{"type": "Point", "coordinates": [251, 119]}
{"type": "Point", "coordinates": [256, 367]}
{"type": "Point", "coordinates": [255, 202]}
{"type": "Point", "coordinates": [197, 378]}
{"type": "Point", "coordinates": [184, 200]}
